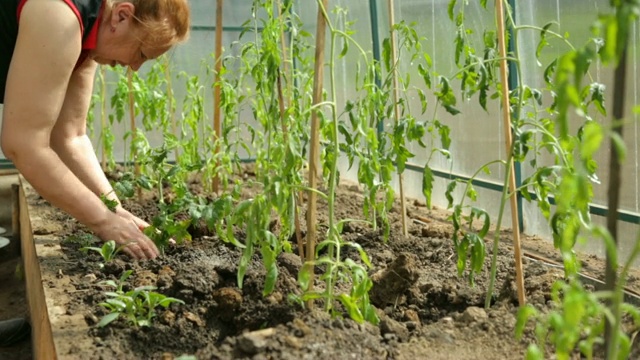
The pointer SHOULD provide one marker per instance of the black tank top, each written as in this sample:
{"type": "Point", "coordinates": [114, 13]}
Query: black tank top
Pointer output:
{"type": "Point", "coordinates": [86, 10]}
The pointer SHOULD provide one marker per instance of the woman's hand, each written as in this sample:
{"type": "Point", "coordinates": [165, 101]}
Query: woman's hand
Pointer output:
{"type": "Point", "coordinates": [125, 232]}
{"type": "Point", "coordinates": [141, 224]}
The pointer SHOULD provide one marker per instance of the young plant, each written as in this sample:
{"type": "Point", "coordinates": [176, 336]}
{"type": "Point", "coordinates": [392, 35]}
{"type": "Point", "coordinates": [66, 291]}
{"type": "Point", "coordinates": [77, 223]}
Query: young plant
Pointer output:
{"type": "Point", "coordinates": [276, 140]}
{"type": "Point", "coordinates": [137, 306]}
{"type": "Point", "coordinates": [107, 251]}
{"type": "Point", "coordinates": [338, 272]}
{"type": "Point", "coordinates": [580, 319]}
{"type": "Point", "coordinates": [119, 102]}
{"type": "Point", "coordinates": [468, 242]}
{"type": "Point", "coordinates": [164, 226]}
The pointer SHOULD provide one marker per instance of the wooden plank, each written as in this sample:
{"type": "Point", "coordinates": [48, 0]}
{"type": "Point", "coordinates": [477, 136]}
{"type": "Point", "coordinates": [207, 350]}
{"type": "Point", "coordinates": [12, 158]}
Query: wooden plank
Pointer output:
{"type": "Point", "coordinates": [41, 336]}
{"type": "Point", "coordinates": [63, 333]}
{"type": "Point", "coordinates": [4, 172]}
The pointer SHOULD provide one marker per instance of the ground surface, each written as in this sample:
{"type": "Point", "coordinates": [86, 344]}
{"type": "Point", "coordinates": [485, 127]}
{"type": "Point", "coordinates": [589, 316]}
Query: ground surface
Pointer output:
{"type": "Point", "coordinates": [427, 311]}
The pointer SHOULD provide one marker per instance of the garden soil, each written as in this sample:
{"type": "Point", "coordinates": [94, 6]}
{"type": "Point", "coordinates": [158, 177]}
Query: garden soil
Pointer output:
{"type": "Point", "coordinates": [427, 310]}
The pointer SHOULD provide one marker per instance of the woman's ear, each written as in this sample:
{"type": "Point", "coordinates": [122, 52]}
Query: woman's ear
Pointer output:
{"type": "Point", "coordinates": [122, 11]}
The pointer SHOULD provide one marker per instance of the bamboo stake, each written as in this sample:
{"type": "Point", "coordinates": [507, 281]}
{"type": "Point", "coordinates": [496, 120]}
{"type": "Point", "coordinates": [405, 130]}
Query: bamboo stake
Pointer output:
{"type": "Point", "coordinates": [217, 125]}
{"type": "Point", "coordinates": [396, 108]}
{"type": "Point", "coordinates": [103, 115]}
{"type": "Point", "coordinates": [132, 118]}
{"type": "Point", "coordinates": [507, 135]}
{"type": "Point", "coordinates": [314, 153]}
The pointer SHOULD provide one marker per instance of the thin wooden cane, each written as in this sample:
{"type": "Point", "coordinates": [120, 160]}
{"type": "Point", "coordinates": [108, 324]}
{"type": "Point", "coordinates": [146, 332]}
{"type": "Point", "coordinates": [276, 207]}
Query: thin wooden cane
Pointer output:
{"type": "Point", "coordinates": [217, 124]}
{"type": "Point", "coordinates": [506, 114]}
{"type": "Point", "coordinates": [132, 119]}
{"type": "Point", "coordinates": [314, 153]}
{"type": "Point", "coordinates": [396, 107]}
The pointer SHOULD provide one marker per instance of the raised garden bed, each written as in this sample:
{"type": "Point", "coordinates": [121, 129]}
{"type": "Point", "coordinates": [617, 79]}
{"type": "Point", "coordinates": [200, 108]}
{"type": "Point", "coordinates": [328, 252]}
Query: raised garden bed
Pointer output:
{"type": "Point", "coordinates": [427, 311]}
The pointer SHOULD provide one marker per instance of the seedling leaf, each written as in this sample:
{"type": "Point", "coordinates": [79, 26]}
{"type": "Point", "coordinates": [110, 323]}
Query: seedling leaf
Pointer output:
{"type": "Point", "coordinates": [107, 319]}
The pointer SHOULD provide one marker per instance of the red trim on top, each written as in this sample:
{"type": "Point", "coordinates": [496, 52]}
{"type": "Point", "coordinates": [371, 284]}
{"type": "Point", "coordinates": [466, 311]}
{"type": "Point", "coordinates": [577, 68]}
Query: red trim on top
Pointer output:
{"type": "Point", "coordinates": [68, 2]}
{"type": "Point", "coordinates": [19, 10]}
{"type": "Point", "coordinates": [92, 37]}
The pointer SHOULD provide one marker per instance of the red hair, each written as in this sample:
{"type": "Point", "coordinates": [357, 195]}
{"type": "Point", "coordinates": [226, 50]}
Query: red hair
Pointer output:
{"type": "Point", "coordinates": [164, 22]}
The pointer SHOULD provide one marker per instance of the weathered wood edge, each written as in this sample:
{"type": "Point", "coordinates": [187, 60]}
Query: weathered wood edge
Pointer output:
{"type": "Point", "coordinates": [41, 335]}
{"type": "Point", "coordinates": [57, 333]}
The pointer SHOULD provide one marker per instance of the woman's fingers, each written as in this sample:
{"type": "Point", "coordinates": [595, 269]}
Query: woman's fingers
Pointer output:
{"type": "Point", "coordinates": [125, 232]}
{"type": "Point", "coordinates": [150, 249]}
{"type": "Point", "coordinates": [139, 252]}
{"type": "Point", "coordinates": [130, 253]}
{"type": "Point", "coordinates": [142, 227]}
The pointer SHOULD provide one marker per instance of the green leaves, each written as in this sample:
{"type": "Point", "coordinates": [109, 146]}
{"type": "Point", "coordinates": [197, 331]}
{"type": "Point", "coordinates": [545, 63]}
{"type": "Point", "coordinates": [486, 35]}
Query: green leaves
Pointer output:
{"type": "Point", "coordinates": [446, 96]}
{"type": "Point", "coordinates": [543, 40]}
{"type": "Point", "coordinates": [107, 251]}
{"type": "Point", "coordinates": [137, 306]}
{"type": "Point", "coordinates": [575, 324]}
{"type": "Point", "coordinates": [450, 8]}
{"type": "Point", "coordinates": [111, 204]}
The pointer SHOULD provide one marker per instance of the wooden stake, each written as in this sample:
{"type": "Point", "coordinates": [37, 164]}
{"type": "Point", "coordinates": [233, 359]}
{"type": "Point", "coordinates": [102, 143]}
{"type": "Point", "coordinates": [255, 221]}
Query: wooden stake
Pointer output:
{"type": "Point", "coordinates": [396, 108]}
{"type": "Point", "coordinates": [132, 118]}
{"type": "Point", "coordinates": [15, 214]}
{"type": "Point", "coordinates": [314, 154]}
{"type": "Point", "coordinates": [217, 125]}
{"type": "Point", "coordinates": [506, 113]}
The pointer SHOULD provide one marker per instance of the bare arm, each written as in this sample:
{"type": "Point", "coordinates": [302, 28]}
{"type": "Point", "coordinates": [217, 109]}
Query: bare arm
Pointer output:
{"type": "Point", "coordinates": [46, 50]}
{"type": "Point", "coordinates": [70, 141]}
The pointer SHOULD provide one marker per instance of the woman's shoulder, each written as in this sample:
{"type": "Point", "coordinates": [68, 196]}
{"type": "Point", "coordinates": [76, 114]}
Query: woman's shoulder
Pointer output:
{"type": "Point", "coordinates": [87, 12]}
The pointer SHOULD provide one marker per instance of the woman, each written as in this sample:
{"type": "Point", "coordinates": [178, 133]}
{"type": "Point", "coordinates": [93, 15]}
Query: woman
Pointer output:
{"type": "Point", "coordinates": [49, 51]}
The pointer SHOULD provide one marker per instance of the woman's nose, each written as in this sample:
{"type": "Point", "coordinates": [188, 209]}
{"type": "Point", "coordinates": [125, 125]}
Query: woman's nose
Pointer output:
{"type": "Point", "coordinates": [136, 65]}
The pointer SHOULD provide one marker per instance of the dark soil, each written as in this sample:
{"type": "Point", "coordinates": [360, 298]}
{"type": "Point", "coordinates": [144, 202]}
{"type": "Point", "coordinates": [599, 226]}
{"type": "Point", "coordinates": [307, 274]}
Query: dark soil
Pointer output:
{"type": "Point", "coordinates": [427, 311]}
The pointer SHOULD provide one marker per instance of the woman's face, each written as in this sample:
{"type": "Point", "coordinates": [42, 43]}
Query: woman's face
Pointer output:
{"type": "Point", "coordinates": [120, 41]}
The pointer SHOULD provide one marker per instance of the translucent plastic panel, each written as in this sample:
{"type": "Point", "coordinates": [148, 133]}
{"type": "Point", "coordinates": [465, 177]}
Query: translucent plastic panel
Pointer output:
{"type": "Point", "coordinates": [477, 134]}
{"type": "Point", "coordinates": [235, 13]}
{"type": "Point", "coordinates": [574, 18]}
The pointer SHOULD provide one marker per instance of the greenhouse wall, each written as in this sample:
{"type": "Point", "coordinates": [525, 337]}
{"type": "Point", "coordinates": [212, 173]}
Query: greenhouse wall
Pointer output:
{"type": "Point", "coordinates": [477, 134]}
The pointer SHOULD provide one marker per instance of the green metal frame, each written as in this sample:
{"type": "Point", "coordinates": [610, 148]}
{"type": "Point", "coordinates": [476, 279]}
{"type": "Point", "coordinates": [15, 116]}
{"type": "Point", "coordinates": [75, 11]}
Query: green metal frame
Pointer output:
{"type": "Point", "coordinates": [375, 45]}
{"type": "Point", "coordinates": [6, 164]}
{"type": "Point", "coordinates": [514, 83]}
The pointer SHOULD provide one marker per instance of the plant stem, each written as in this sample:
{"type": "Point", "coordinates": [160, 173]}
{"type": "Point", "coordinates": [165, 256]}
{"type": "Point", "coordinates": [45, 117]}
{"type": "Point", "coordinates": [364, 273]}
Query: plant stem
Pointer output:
{"type": "Point", "coordinates": [396, 110]}
{"type": "Point", "coordinates": [170, 103]}
{"type": "Point", "coordinates": [496, 239]}
{"type": "Point", "coordinates": [334, 249]}
{"type": "Point", "coordinates": [132, 119]}
{"type": "Point", "coordinates": [613, 194]}
{"type": "Point", "coordinates": [217, 127]}
{"type": "Point", "coordinates": [103, 116]}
